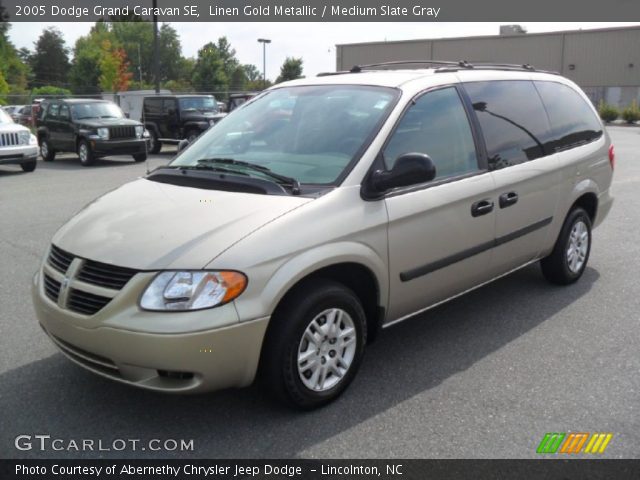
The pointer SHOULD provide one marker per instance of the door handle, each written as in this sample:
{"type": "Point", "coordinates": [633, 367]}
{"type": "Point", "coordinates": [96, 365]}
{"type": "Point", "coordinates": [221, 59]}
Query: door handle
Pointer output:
{"type": "Point", "coordinates": [481, 207]}
{"type": "Point", "coordinates": [508, 199]}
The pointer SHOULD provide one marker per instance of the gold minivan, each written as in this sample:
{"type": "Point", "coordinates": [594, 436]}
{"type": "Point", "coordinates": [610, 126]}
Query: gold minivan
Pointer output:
{"type": "Point", "coordinates": [285, 238]}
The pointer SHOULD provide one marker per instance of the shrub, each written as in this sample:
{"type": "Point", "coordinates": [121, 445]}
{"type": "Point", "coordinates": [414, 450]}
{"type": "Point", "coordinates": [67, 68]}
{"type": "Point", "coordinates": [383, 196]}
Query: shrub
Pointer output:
{"type": "Point", "coordinates": [608, 113]}
{"type": "Point", "coordinates": [50, 90]}
{"type": "Point", "coordinates": [631, 113]}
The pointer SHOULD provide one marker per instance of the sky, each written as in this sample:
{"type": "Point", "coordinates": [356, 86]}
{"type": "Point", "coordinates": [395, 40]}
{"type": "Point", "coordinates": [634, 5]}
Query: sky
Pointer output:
{"type": "Point", "coordinates": [314, 42]}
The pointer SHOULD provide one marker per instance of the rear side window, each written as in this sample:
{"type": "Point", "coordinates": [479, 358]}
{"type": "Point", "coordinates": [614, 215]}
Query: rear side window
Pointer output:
{"type": "Point", "coordinates": [513, 121]}
{"type": "Point", "coordinates": [436, 125]}
{"type": "Point", "coordinates": [153, 106]}
{"type": "Point", "coordinates": [573, 122]}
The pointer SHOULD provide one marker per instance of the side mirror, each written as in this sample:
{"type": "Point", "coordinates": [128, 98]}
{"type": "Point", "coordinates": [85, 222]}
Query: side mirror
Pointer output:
{"type": "Point", "coordinates": [409, 169]}
{"type": "Point", "coordinates": [182, 145]}
{"type": "Point", "coordinates": [127, 115]}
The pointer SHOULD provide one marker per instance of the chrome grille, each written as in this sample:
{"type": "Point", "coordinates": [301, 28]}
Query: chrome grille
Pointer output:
{"type": "Point", "coordinates": [51, 288]}
{"type": "Point", "coordinates": [9, 139]}
{"type": "Point", "coordinates": [125, 131]}
{"type": "Point", "coordinates": [59, 259]}
{"type": "Point", "coordinates": [105, 275]}
{"type": "Point", "coordinates": [85, 302]}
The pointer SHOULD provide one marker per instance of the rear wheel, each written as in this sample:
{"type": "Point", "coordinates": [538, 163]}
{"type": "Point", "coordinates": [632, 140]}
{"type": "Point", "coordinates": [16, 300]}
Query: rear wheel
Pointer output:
{"type": "Point", "coordinates": [140, 157]}
{"type": "Point", "coordinates": [569, 257]}
{"type": "Point", "coordinates": [315, 344]}
{"type": "Point", "coordinates": [48, 154]}
{"type": "Point", "coordinates": [29, 166]}
{"type": "Point", "coordinates": [192, 135]}
{"type": "Point", "coordinates": [85, 153]}
{"type": "Point", "coordinates": [154, 142]}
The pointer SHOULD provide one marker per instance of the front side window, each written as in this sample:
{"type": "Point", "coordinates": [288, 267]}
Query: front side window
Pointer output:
{"type": "Point", "coordinates": [309, 133]}
{"type": "Point", "coordinates": [573, 122]}
{"type": "Point", "coordinates": [436, 125]}
{"type": "Point", "coordinates": [52, 112]}
{"type": "Point", "coordinates": [513, 121]}
{"type": "Point", "coordinates": [64, 112]}
{"type": "Point", "coordinates": [82, 111]}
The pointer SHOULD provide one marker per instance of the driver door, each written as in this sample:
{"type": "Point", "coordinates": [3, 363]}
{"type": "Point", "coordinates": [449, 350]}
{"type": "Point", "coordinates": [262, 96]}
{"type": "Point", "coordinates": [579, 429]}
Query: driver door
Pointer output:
{"type": "Point", "coordinates": [440, 233]}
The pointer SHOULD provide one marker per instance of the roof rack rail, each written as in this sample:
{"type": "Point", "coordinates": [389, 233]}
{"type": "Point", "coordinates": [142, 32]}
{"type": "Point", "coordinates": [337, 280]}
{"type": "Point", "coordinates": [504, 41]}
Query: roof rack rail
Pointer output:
{"type": "Point", "coordinates": [444, 66]}
{"type": "Point", "coordinates": [359, 68]}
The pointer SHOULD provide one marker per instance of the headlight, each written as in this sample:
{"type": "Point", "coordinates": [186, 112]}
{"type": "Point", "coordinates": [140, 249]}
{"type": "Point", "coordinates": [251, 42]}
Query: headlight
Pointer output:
{"type": "Point", "coordinates": [24, 137]}
{"type": "Point", "coordinates": [139, 131]}
{"type": "Point", "coordinates": [103, 133]}
{"type": "Point", "coordinates": [146, 133]}
{"type": "Point", "coordinates": [180, 291]}
{"type": "Point", "coordinates": [33, 140]}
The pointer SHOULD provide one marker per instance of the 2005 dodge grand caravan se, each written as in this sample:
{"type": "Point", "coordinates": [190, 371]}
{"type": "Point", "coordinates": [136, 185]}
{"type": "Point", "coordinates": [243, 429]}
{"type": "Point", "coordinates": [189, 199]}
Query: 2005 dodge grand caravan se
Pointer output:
{"type": "Point", "coordinates": [285, 237]}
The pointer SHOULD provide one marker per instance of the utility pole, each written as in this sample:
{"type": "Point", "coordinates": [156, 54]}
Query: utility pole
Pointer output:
{"type": "Point", "coordinates": [264, 42]}
{"type": "Point", "coordinates": [139, 66]}
{"type": "Point", "coordinates": [156, 52]}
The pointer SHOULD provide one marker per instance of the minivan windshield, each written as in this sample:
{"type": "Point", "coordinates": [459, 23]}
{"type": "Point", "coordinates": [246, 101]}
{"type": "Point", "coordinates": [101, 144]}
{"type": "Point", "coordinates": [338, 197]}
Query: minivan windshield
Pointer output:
{"type": "Point", "coordinates": [309, 133]}
{"type": "Point", "coordinates": [96, 110]}
{"type": "Point", "coordinates": [203, 104]}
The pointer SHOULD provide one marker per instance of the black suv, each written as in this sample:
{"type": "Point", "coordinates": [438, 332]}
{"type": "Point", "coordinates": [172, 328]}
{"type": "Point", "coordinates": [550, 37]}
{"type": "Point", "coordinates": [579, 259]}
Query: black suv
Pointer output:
{"type": "Point", "coordinates": [171, 118]}
{"type": "Point", "coordinates": [92, 128]}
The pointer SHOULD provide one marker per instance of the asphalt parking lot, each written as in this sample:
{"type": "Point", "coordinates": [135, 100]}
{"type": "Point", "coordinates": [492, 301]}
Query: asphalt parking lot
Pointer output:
{"type": "Point", "coordinates": [484, 376]}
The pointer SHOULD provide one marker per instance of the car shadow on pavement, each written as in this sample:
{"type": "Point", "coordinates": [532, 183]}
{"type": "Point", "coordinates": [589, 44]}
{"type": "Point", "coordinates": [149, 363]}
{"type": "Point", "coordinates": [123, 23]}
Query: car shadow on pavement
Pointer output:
{"type": "Point", "coordinates": [54, 397]}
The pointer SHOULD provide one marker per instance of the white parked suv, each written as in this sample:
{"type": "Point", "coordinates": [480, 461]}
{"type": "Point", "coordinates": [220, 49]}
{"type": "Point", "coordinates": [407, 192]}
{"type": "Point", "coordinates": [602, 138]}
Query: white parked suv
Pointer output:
{"type": "Point", "coordinates": [283, 239]}
{"type": "Point", "coordinates": [18, 146]}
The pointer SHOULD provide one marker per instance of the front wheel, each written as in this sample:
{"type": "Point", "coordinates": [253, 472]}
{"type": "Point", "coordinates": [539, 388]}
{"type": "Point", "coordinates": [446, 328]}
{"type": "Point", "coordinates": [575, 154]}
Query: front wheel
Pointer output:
{"type": "Point", "coordinates": [315, 344]}
{"type": "Point", "coordinates": [139, 157]}
{"type": "Point", "coordinates": [85, 153]}
{"type": "Point", "coordinates": [569, 257]}
{"type": "Point", "coordinates": [192, 136]}
{"type": "Point", "coordinates": [29, 166]}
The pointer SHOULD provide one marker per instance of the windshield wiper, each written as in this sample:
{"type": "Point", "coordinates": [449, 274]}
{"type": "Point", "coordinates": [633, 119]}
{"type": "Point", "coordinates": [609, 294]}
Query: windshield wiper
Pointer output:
{"type": "Point", "coordinates": [281, 179]}
{"type": "Point", "coordinates": [209, 168]}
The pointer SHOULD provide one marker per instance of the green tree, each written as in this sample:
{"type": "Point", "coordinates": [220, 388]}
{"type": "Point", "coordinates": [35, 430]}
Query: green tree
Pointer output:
{"type": "Point", "coordinates": [290, 69]}
{"type": "Point", "coordinates": [4, 89]}
{"type": "Point", "coordinates": [50, 90]}
{"type": "Point", "coordinates": [50, 59]}
{"type": "Point", "coordinates": [14, 70]}
{"type": "Point", "coordinates": [239, 79]}
{"type": "Point", "coordinates": [228, 56]}
{"type": "Point", "coordinates": [252, 72]}
{"type": "Point", "coordinates": [170, 52]}
{"type": "Point", "coordinates": [85, 69]}
{"type": "Point", "coordinates": [208, 72]}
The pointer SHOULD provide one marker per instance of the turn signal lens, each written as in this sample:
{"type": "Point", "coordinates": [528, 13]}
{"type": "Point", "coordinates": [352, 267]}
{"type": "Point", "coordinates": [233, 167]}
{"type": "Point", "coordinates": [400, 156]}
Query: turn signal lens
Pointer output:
{"type": "Point", "coordinates": [612, 157]}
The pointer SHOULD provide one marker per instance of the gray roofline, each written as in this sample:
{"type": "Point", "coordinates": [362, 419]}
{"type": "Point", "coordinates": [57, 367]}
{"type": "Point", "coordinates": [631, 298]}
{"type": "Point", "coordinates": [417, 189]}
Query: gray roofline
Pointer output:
{"type": "Point", "coordinates": [477, 37]}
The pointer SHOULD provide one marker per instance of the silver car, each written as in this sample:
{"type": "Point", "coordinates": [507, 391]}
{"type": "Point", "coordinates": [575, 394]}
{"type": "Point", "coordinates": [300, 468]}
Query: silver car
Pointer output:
{"type": "Point", "coordinates": [282, 241]}
{"type": "Point", "coordinates": [18, 146]}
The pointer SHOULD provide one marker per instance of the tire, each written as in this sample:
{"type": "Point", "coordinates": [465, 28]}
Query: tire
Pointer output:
{"type": "Point", "coordinates": [29, 166]}
{"type": "Point", "coordinates": [568, 260]}
{"type": "Point", "coordinates": [192, 136]}
{"type": "Point", "coordinates": [85, 154]}
{"type": "Point", "coordinates": [48, 154]}
{"type": "Point", "coordinates": [155, 145]}
{"type": "Point", "coordinates": [307, 311]}
{"type": "Point", "coordinates": [140, 157]}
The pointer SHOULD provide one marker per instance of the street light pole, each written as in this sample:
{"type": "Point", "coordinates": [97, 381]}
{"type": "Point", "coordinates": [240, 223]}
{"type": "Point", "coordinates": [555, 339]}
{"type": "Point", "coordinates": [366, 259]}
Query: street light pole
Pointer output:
{"type": "Point", "coordinates": [264, 42]}
{"type": "Point", "coordinates": [156, 52]}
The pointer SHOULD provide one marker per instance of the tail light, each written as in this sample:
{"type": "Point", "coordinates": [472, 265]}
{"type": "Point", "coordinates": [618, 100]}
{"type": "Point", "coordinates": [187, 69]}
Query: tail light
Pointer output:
{"type": "Point", "coordinates": [612, 157]}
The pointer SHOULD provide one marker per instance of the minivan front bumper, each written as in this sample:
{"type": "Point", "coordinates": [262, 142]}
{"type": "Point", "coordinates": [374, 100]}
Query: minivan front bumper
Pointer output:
{"type": "Point", "coordinates": [184, 362]}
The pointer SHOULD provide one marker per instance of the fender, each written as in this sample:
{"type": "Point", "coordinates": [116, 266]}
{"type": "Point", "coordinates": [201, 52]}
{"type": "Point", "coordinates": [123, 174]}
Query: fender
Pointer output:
{"type": "Point", "coordinates": [199, 124]}
{"type": "Point", "coordinates": [295, 269]}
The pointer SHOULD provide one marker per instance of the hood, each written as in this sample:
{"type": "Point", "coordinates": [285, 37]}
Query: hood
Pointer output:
{"type": "Point", "coordinates": [198, 115]}
{"type": "Point", "coordinates": [148, 225]}
{"type": "Point", "coordinates": [12, 128]}
{"type": "Point", "coordinates": [107, 122]}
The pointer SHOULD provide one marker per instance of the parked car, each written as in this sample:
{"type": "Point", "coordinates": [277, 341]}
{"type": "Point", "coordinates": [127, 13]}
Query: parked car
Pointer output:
{"type": "Point", "coordinates": [23, 116]}
{"type": "Point", "coordinates": [284, 239]}
{"type": "Point", "coordinates": [237, 99]}
{"type": "Point", "coordinates": [18, 146]}
{"type": "Point", "coordinates": [92, 128]}
{"type": "Point", "coordinates": [171, 118]}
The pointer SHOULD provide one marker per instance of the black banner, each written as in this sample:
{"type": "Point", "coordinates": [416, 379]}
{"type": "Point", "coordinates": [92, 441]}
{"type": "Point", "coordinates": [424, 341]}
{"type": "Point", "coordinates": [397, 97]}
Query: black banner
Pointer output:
{"type": "Point", "coordinates": [547, 469]}
{"type": "Point", "coordinates": [319, 10]}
